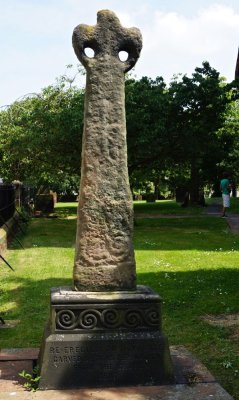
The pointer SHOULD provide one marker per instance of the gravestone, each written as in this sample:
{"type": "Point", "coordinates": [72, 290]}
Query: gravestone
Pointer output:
{"type": "Point", "coordinates": [106, 330]}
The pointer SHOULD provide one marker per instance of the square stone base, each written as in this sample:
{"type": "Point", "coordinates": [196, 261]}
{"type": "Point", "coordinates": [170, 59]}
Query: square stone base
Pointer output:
{"type": "Point", "coordinates": [193, 381]}
{"type": "Point", "coordinates": [104, 340]}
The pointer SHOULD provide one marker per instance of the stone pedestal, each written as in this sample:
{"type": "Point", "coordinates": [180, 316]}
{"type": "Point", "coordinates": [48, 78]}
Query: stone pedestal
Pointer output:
{"type": "Point", "coordinates": [104, 339]}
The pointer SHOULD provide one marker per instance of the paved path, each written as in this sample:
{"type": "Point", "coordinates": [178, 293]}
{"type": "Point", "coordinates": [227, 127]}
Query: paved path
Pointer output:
{"type": "Point", "coordinates": [232, 219]}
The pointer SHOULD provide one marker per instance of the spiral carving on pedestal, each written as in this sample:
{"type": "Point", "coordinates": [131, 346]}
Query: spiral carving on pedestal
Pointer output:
{"type": "Point", "coordinates": [111, 318]}
{"type": "Point", "coordinates": [66, 319]}
{"type": "Point", "coordinates": [88, 319]}
{"type": "Point", "coordinates": [133, 318]}
{"type": "Point", "coordinates": [99, 318]}
{"type": "Point", "coordinates": [152, 317]}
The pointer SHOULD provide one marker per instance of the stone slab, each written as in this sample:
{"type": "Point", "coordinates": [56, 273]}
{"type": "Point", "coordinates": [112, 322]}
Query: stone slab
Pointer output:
{"type": "Point", "coordinates": [208, 391]}
{"type": "Point", "coordinates": [19, 354]}
{"type": "Point", "coordinates": [10, 381]}
{"type": "Point", "coordinates": [194, 382]}
{"type": "Point", "coordinates": [187, 369]}
{"type": "Point", "coordinates": [63, 295]}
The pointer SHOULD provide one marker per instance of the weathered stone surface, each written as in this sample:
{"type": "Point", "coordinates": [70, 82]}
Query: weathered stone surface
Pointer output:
{"type": "Point", "coordinates": [104, 249]}
{"type": "Point", "coordinates": [97, 339]}
{"type": "Point", "coordinates": [203, 386]}
{"type": "Point", "coordinates": [108, 331]}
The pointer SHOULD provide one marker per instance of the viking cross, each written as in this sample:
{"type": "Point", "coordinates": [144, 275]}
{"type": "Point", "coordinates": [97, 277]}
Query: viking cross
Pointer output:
{"type": "Point", "coordinates": [104, 258]}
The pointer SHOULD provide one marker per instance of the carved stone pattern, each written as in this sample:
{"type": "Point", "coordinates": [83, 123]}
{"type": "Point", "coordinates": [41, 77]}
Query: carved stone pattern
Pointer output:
{"type": "Point", "coordinates": [104, 258]}
{"type": "Point", "coordinates": [108, 318]}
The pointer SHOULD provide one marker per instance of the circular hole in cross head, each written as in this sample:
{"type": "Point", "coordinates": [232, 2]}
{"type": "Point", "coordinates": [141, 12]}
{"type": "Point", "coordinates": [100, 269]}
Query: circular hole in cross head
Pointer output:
{"type": "Point", "coordinates": [89, 52]}
{"type": "Point", "coordinates": [123, 55]}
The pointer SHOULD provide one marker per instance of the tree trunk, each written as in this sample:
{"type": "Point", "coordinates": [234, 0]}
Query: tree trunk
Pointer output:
{"type": "Point", "coordinates": [156, 188]}
{"type": "Point", "coordinates": [194, 185]}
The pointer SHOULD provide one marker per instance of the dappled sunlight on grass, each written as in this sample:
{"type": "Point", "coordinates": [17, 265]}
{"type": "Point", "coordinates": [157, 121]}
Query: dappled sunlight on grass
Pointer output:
{"type": "Point", "coordinates": [66, 210]}
{"type": "Point", "coordinates": [8, 306]}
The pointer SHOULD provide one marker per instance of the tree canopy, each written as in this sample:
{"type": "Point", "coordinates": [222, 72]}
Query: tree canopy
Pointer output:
{"type": "Point", "coordinates": [177, 130]}
{"type": "Point", "coordinates": [41, 137]}
{"type": "Point", "coordinates": [184, 132]}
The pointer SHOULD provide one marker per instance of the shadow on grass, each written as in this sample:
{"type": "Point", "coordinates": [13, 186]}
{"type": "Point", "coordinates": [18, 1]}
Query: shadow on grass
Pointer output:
{"type": "Point", "coordinates": [186, 294]}
{"type": "Point", "coordinates": [186, 297]}
{"type": "Point", "coordinates": [29, 303]}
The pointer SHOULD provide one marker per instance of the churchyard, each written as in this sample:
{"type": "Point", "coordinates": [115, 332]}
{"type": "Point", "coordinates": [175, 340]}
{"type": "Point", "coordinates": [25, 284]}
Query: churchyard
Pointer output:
{"type": "Point", "coordinates": [191, 261]}
{"type": "Point", "coordinates": [104, 268]}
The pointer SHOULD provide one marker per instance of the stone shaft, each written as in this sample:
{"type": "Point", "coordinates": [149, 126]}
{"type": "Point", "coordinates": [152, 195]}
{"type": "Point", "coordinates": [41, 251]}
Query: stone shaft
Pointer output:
{"type": "Point", "coordinates": [104, 258]}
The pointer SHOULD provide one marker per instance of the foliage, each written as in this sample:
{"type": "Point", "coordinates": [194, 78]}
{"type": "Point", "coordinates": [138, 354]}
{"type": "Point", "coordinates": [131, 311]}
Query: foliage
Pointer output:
{"type": "Point", "coordinates": [177, 135]}
{"type": "Point", "coordinates": [173, 132]}
{"type": "Point", "coordinates": [32, 380]}
{"type": "Point", "coordinates": [198, 106]}
{"type": "Point", "coordinates": [146, 107]}
{"type": "Point", "coordinates": [149, 145]}
{"type": "Point", "coordinates": [41, 137]}
{"type": "Point", "coordinates": [228, 136]}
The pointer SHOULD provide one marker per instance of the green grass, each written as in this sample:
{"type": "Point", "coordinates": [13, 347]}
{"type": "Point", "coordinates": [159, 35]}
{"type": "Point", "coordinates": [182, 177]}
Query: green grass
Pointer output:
{"type": "Point", "coordinates": [170, 207]}
{"type": "Point", "coordinates": [191, 262]}
{"type": "Point", "coordinates": [66, 210]}
{"type": "Point", "coordinates": [165, 207]}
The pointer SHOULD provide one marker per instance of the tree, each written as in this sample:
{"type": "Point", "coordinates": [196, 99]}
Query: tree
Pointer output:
{"type": "Point", "coordinates": [176, 132]}
{"type": "Point", "coordinates": [41, 137]}
{"type": "Point", "coordinates": [147, 135]}
{"type": "Point", "coordinates": [229, 138]}
{"type": "Point", "coordinates": [197, 112]}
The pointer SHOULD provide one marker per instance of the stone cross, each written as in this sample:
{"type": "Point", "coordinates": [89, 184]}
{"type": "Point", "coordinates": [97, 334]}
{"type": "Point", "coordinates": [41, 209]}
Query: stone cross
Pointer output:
{"type": "Point", "coordinates": [104, 258]}
{"type": "Point", "coordinates": [107, 332]}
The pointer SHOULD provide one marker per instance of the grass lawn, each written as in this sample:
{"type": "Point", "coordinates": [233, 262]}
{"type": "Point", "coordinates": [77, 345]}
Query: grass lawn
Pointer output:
{"type": "Point", "coordinates": [164, 207]}
{"type": "Point", "coordinates": [191, 262]}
